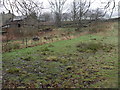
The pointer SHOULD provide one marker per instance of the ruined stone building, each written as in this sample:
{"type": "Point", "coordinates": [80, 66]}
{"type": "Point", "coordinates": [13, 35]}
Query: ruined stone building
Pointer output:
{"type": "Point", "coordinates": [18, 26]}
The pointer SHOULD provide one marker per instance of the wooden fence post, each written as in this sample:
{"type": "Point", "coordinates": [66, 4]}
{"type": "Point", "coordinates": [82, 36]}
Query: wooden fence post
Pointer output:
{"type": "Point", "coordinates": [23, 41]}
{"type": "Point", "coordinates": [26, 42]}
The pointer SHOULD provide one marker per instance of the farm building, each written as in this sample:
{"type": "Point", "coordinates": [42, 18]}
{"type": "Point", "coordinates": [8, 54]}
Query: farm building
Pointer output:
{"type": "Point", "coordinates": [13, 27]}
{"type": "Point", "coordinates": [18, 26]}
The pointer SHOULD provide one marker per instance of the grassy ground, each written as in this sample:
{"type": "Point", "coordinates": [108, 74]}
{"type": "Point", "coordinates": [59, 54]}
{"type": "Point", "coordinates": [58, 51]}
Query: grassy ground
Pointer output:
{"type": "Point", "coordinates": [89, 61]}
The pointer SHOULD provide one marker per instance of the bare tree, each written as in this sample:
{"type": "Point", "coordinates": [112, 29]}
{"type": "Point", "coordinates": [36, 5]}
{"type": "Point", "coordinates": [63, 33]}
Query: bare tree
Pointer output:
{"type": "Point", "coordinates": [106, 9]}
{"type": "Point", "coordinates": [0, 3]}
{"type": "Point", "coordinates": [96, 14]}
{"type": "Point", "coordinates": [66, 16]}
{"type": "Point", "coordinates": [57, 7]}
{"type": "Point", "coordinates": [28, 8]}
{"type": "Point", "coordinates": [74, 10]}
{"type": "Point", "coordinates": [23, 7]}
{"type": "Point", "coordinates": [110, 6]}
{"type": "Point", "coordinates": [81, 10]}
{"type": "Point", "coordinates": [47, 16]}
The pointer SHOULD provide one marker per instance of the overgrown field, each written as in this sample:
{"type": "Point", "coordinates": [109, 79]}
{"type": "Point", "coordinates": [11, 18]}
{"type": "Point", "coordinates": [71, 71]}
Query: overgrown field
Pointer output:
{"type": "Point", "coordinates": [88, 61]}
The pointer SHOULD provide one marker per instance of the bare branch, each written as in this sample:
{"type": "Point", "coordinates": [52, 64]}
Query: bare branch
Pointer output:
{"type": "Point", "coordinates": [57, 7]}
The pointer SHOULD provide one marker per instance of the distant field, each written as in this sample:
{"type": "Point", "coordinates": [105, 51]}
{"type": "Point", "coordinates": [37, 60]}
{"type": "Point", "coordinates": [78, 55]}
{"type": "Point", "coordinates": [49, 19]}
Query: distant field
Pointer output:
{"type": "Point", "coordinates": [87, 61]}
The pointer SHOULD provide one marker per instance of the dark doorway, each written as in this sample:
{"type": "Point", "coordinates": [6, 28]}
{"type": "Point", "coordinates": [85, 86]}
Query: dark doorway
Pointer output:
{"type": "Point", "coordinates": [19, 25]}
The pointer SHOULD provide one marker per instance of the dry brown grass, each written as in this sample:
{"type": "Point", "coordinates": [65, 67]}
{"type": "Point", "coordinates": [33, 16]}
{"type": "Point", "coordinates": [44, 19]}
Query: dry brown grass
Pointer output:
{"type": "Point", "coordinates": [96, 28]}
{"type": "Point", "coordinates": [108, 27]}
{"type": "Point", "coordinates": [100, 27]}
{"type": "Point", "coordinates": [17, 42]}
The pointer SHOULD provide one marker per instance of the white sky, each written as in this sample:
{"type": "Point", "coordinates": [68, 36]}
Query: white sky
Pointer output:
{"type": "Point", "coordinates": [95, 4]}
{"type": "Point", "coordinates": [68, 5]}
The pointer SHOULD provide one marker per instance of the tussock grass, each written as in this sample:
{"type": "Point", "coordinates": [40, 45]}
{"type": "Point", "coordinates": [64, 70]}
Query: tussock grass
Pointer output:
{"type": "Point", "coordinates": [94, 47]}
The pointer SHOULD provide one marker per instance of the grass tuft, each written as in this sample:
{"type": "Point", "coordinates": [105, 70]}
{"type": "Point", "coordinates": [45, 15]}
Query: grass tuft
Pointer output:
{"type": "Point", "coordinates": [28, 58]}
{"type": "Point", "coordinates": [94, 47]}
{"type": "Point", "coordinates": [52, 58]}
{"type": "Point", "coordinates": [13, 70]}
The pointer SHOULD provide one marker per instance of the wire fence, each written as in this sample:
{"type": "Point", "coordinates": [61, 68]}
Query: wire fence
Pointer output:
{"type": "Point", "coordinates": [11, 45]}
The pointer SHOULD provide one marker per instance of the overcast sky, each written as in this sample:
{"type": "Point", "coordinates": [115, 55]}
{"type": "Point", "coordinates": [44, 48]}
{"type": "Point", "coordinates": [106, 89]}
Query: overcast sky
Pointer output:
{"type": "Point", "coordinates": [97, 3]}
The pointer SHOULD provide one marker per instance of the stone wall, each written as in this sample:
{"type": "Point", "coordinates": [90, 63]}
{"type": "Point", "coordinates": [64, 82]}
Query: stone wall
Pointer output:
{"type": "Point", "coordinates": [6, 17]}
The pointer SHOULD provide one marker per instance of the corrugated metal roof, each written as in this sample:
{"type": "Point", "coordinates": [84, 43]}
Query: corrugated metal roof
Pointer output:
{"type": "Point", "coordinates": [16, 18]}
{"type": "Point", "coordinates": [6, 26]}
